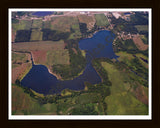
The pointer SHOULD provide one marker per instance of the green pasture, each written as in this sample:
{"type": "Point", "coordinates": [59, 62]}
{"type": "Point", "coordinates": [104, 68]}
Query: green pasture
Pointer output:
{"type": "Point", "coordinates": [37, 23]}
{"type": "Point", "coordinates": [122, 101]}
{"type": "Point", "coordinates": [36, 35]}
{"type": "Point", "coordinates": [101, 20]}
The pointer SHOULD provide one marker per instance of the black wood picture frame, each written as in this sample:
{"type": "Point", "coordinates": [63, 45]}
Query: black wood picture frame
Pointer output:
{"type": "Point", "coordinates": [153, 4]}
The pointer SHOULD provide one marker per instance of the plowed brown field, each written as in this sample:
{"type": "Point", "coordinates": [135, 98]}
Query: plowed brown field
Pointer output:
{"type": "Point", "coordinates": [139, 43]}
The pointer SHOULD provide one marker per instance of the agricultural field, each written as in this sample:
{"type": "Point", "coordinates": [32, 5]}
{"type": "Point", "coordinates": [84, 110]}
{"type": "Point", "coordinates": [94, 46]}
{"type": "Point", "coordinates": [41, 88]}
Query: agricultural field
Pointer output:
{"type": "Point", "coordinates": [29, 104]}
{"type": "Point", "coordinates": [37, 23]}
{"type": "Point", "coordinates": [36, 35]}
{"type": "Point", "coordinates": [21, 64]}
{"type": "Point", "coordinates": [58, 57]}
{"type": "Point", "coordinates": [139, 43]}
{"type": "Point", "coordinates": [101, 20]}
{"type": "Point", "coordinates": [64, 23]}
{"type": "Point", "coordinates": [45, 52]}
{"type": "Point", "coordinates": [142, 28]}
{"type": "Point", "coordinates": [122, 100]}
{"type": "Point", "coordinates": [40, 45]}
{"type": "Point", "coordinates": [23, 25]}
{"type": "Point", "coordinates": [89, 20]}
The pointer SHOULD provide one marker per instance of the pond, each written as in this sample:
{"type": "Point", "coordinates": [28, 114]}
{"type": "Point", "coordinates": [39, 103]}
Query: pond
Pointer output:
{"type": "Point", "coordinates": [42, 13]}
{"type": "Point", "coordinates": [40, 80]}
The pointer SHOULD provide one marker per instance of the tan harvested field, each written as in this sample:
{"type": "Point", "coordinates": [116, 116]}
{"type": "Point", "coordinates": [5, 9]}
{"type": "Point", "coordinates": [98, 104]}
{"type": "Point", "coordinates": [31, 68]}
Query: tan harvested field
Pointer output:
{"type": "Point", "coordinates": [63, 23]}
{"type": "Point", "coordinates": [13, 35]}
{"type": "Point", "coordinates": [41, 46]}
{"type": "Point", "coordinates": [89, 20]}
{"type": "Point", "coordinates": [139, 43]}
{"type": "Point", "coordinates": [141, 93]}
{"type": "Point", "coordinates": [39, 57]}
{"type": "Point", "coordinates": [20, 71]}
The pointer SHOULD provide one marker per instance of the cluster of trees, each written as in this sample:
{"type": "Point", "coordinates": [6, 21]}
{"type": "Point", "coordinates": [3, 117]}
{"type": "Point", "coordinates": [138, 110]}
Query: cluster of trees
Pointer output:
{"type": "Point", "coordinates": [19, 14]}
{"type": "Point", "coordinates": [54, 35]}
{"type": "Point", "coordinates": [100, 88]}
{"type": "Point", "coordinates": [14, 21]}
{"type": "Point", "coordinates": [139, 18]}
{"type": "Point", "coordinates": [23, 36]}
{"type": "Point", "coordinates": [58, 13]}
{"type": "Point", "coordinates": [123, 25]}
{"type": "Point", "coordinates": [83, 28]}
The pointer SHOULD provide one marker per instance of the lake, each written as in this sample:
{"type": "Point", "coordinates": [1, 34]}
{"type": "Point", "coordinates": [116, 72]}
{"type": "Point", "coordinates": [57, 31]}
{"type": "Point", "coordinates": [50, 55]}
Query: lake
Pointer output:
{"type": "Point", "coordinates": [42, 13]}
{"type": "Point", "coordinates": [100, 45]}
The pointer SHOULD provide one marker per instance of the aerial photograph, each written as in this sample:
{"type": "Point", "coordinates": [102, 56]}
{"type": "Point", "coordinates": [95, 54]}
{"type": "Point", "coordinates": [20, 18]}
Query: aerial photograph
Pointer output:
{"type": "Point", "coordinates": [79, 62]}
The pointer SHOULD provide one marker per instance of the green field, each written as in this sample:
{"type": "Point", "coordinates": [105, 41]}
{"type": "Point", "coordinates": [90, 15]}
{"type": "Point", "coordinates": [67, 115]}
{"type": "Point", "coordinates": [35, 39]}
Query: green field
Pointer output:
{"type": "Point", "coordinates": [36, 35]}
{"type": "Point", "coordinates": [142, 28]}
{"type": "Point", "coordinates": [122, 100]}
{"type": "Point", "coordinates": [58, 57]}
{"type": "Point", "coordinates": [37, 23]}
{"type": "Point", "coordinates": [24, 25]}
{"type": "Point", "coordinates": [101, 20]}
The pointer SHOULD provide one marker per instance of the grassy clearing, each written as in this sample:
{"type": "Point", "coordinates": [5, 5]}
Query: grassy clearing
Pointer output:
{"type": "Point", "coordinates": [37, 94]}
{"type": "Point", "coordinates": [37, 23]}
{"type": "Point", "coordinates": [36, 35]}
{"type": "Point", "coordinates": [122, 101]}
{"type": "Point", "coordinates": [83, 53]}
{"type": "Point", "coordinates": [66, 92]}
{"type": "Point", "coordinates": [101, 20]}
{"type": "Point", "coordinates": [142, 27]}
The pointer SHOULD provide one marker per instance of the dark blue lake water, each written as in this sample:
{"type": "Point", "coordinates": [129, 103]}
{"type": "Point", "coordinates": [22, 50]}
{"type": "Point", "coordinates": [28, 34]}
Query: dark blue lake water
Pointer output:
{"type": "Point", "coordinates": [40, 80]}
{"type": "Point", "coordinates": [127, 13]}
{"type": "Point", "coordinates": [42, 13]}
